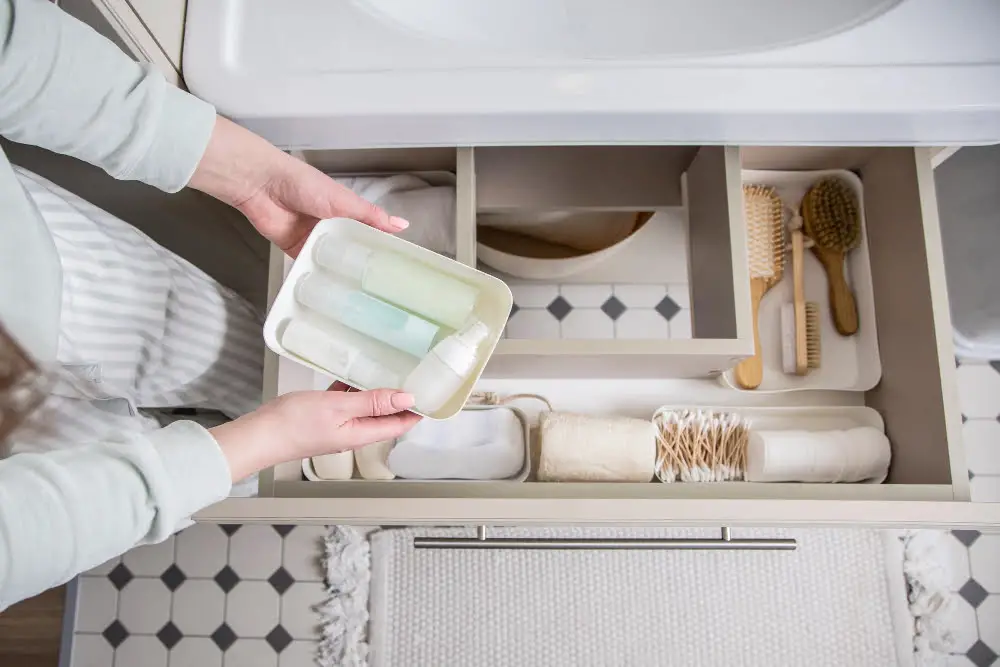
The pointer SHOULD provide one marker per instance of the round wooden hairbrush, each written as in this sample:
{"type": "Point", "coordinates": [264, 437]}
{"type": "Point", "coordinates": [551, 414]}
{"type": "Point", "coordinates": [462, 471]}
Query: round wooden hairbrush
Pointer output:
{"type": "Point", "coordinates": [831, 217]}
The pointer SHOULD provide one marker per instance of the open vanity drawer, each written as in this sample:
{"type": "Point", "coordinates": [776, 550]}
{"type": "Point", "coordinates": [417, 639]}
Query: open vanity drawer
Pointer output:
{"type": "Point", "coordinates": [633, 375]}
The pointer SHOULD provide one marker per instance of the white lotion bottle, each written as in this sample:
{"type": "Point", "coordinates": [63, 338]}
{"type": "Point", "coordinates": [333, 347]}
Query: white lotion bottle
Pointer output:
{"type": "Point", "coordinates": [317, 346]}
{"type": "Point", "coordinates": [366, 314]}
{"type": "Point", "coordinates": [401, 281]}
{"type": "Point", "coordinates": [446, 367]}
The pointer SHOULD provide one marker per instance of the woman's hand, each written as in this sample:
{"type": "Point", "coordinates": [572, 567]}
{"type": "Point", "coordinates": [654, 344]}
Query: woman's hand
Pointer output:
{"type": "Point", "coordinates": [309, 423]}
{"type": "Point", "coordinates": [282, 196]}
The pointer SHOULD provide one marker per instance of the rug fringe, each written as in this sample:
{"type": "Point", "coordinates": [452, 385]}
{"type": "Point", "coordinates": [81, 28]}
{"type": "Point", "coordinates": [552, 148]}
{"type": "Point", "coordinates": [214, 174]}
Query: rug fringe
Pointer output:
{"type": "Point", "coordinates": [927, 572]}
{"type": "Point", "coordinates": [345, 611]}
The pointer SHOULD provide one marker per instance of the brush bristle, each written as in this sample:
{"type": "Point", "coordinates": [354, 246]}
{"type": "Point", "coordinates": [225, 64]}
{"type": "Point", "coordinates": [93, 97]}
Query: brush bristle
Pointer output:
{"type": "Point", "coordinates": [813, 350]}
{"type": "Point", "coordinates": [831, 215]}
{"type": "Point", "coordinates": [764, 218]}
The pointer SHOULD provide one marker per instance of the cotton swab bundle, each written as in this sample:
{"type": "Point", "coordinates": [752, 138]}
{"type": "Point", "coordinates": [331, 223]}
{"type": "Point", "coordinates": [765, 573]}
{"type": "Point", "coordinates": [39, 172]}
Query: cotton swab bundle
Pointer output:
{"type": "Point", "coordinates": [700, 445]}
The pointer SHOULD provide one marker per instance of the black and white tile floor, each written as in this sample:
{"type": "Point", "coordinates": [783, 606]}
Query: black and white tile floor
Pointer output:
{"type": "Point", "coordinates": [222, 596]}
{"type": "Point", "coordinates": [210, 596]}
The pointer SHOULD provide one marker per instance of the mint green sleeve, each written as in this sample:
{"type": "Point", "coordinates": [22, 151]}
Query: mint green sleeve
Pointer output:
{"type": "Point", "coordinates": [67, 511]}
{"type": "Point", "coordinates": [66, 88]}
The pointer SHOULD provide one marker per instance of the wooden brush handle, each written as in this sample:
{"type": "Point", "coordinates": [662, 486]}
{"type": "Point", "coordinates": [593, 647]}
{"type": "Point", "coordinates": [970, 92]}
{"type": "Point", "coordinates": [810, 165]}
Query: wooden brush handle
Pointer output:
{"type": "Point", "coordinates": [843, 308]}
{"type": "Point", "coordinates": [799, 302]}
{"type": "Point", "coordinates": [750, 372]}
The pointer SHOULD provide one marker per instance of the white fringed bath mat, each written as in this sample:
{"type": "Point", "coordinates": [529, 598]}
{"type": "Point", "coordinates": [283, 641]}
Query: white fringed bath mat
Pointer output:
{"type": "Point", "coordinates": [840, 599]}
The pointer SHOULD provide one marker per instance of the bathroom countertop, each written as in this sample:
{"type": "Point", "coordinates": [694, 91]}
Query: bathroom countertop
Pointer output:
{"type": "Point", "coordinates": [926, 72]}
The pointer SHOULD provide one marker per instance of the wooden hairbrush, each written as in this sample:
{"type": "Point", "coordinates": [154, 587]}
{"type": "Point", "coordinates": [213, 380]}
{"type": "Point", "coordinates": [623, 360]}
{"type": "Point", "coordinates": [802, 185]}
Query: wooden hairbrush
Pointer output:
{"type": "Point", "coordinates": [832, 219]}
{"type": "Point", "coordinates": [764, 217]}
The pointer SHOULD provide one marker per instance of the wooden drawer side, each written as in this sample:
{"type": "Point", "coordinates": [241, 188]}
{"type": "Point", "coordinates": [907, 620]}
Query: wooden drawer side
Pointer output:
{"type": "Point", "coordinates": [910, 298]}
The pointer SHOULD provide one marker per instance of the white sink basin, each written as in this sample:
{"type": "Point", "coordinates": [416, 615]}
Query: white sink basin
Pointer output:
{"type": "Point", "coordinates": [364, 73]}
{"type": "Point", "coordinates": [624, 28]}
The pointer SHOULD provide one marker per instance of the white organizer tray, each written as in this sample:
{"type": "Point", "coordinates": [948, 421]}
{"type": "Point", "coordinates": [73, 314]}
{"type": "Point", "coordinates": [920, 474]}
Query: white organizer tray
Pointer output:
{"type": "Point", "coordinates": [492, 307]}
{"type": "Point", "coordinates": [849, 363]}
{"type": "Point", "coordinates": [310, 472]}
{"type": "Point", "coordinates": [810, 418]}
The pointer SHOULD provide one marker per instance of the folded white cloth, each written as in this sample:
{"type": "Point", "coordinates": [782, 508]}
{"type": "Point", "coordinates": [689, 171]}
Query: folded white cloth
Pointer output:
{"type": "Point", "coordinates": [430, 209]}
{"type": "Point", "coordinates": [855, 455]}
{"type": "Point", "coordinates": [475, 444]}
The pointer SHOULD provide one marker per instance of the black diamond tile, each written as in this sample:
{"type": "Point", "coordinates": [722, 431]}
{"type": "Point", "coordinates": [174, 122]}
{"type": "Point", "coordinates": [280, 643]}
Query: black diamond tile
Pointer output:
{"type": "Point", "coordinates": [284, 529]}
{"type": "Point", "coordinates": [173, 577]}
{"type": "Point", "coordinates": [115, 634]}
{"type": "Point", "coordinates": [559, 308]}
{"type": "Point", "coordinates": [120, 576]}
{"type": "Point", "coordinates": [972, 475]}
{"type": "Point", "coordinates": [981, 655]}
{"type": "Point", "coordinates": [966, 537]}
{"type": "Point", "coordinates": [613, 307]}
{"type": "Point", "coordinates": [169, 635]}
{"type": "Point", "coordinates": [513, 310]}
{"type": "Point", "coordinates": [667, 308]}
{"type": "Point", "coordinates": [958, 362]}
{"type": "Point", "coordinates": [229, 528]}
{"type": "Point", "coordinates": [996, 365]}
{"type": "Point", "coordinates": [227, 578]}
{"type": "Point", "coordinates": [281, 580]}
{"type": "Point", "coordinates": [224, 637]}
{"type": "Point", "coordinates": [965, 419]}
{"type": "Point", "coordinates": [973, 593]}
{"type": "Point", "coordinates": [278, 639]}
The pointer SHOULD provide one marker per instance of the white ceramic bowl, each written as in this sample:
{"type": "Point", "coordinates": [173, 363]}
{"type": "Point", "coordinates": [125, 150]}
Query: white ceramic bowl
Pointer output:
{"type": "Point", "coordinates": [532, 267]}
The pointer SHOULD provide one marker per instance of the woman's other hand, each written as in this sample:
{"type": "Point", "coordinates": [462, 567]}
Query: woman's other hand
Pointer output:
{"type": "Point", "coordinates": [282, 196]}
{"type": "Point", "coordinates": [310, 423]}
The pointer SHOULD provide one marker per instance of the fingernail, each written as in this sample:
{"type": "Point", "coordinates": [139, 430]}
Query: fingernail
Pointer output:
{"type": "Point", "coordinates": [402, 401]}
{"type": "Point", "coordinates": [398, 223]}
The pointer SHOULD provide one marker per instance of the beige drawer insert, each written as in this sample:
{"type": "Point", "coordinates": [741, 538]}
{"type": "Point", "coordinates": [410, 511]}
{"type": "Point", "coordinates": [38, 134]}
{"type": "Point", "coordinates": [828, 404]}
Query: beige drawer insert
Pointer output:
{"type": "Point", "coordinates": [917, 398]}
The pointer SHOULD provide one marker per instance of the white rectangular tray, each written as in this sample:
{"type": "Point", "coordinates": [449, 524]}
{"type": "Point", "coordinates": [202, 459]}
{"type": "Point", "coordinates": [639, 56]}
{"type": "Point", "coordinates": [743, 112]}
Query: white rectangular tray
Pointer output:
{"type": "Point", "coordinates": [492, 307]}
{"type": "Point", "coordinates": [849, 363]}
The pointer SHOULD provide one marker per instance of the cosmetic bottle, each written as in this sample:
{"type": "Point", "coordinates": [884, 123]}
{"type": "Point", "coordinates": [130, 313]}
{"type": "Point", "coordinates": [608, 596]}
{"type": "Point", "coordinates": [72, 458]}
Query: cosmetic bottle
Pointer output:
{"type": "Point", "coordinates": [446, 368]}
{"type": "Point", "coordinates": [407, 283]}
{"type": "Point", "coordinates": [345, 361]}
{"type": "Point", "coordinates": [366, 314]}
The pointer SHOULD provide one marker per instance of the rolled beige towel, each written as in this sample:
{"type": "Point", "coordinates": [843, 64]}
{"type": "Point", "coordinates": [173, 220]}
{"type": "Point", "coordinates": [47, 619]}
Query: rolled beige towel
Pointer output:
{"type": "Point", "coordinates": [580, 448]}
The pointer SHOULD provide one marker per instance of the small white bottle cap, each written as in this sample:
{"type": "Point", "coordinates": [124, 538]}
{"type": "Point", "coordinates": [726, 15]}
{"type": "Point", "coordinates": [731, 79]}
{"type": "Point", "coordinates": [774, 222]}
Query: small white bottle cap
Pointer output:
{"type": "Point", "coordinates": [348, 259]}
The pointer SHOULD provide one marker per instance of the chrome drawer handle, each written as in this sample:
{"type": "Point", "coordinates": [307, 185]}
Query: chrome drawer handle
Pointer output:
{"type": "Point", "coordinates": [725, 543]}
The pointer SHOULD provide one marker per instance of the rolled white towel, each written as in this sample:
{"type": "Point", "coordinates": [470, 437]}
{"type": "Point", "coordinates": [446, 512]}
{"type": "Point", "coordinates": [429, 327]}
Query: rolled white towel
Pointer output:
{"type": "Point", "coordinates": [855, 455]}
